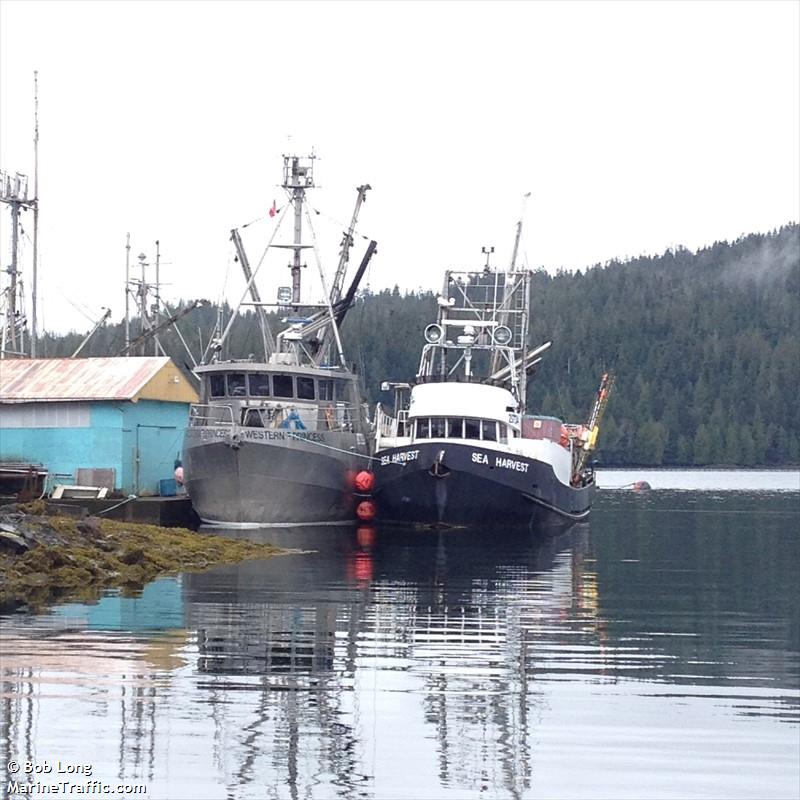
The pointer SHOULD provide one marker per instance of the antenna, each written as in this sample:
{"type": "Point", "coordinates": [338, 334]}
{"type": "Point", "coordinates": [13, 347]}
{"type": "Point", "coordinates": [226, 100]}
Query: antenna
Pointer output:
{"type": "Point", "coordinates": [487, 252]}
{"type": "Point", "coordinates": [141, 297]}
{"type": "Point", "coordinates": [513, 266]}
{"type": "Point", "coordinates": [35, 203]}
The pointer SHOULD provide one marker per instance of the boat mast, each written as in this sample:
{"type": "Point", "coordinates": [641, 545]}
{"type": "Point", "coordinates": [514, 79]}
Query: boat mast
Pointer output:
{"type": "Point", "coordinates": [127, 291]}
{"type": "Point", "coordinates": [157, 304]}
{"type": "Point", "coordinates": [14, 193]}
{"type": "Point", "coordinates": [35, 204]}
{"type": "Point", "coordinates": [140, 290]}
{"type": "Point", "coordinates": [306, 337]}
{"type": "Point", "coordinates": [297, 178]}
{"type": "Point", "coordinates": [513, 311]}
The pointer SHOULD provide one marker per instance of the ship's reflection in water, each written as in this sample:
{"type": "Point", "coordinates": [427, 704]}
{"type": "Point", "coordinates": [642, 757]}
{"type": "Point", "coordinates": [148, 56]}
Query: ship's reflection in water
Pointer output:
{"type": "Point", "coordinates": [641, 658]}
{"type": "Point", "coordinates": [346, 639]}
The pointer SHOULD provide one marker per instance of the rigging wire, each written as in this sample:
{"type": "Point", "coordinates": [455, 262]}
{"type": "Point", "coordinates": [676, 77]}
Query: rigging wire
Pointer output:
{"type": "Point", "coordinates": [363, 363]}
{"type": "Point", "coordinates": [225, 333]}
{"type": "Point", "coordinates": [80, 308]}
{"type": "Point", "coordinates": [325, 291]}
{"type": "Point", "coordinates": [179, 334]}
{"type": "Point", "coordinates": [339, 223]}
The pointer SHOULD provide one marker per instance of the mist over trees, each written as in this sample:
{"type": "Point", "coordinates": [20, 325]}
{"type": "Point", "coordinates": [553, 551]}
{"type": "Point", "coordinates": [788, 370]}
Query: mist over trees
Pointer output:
{"type": "Point", "coordinates": [705, 348]}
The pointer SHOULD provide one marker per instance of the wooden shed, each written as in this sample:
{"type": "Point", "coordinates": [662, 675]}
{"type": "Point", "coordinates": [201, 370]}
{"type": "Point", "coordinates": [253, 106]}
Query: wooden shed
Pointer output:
{"type": "Point", "coordinates": [118, 421]}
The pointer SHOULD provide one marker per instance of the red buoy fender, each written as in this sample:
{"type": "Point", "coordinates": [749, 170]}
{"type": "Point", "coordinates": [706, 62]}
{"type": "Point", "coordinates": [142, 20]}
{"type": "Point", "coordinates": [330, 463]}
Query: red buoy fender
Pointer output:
{"type": "Point", "coordinates": [364, 481]}
{"type": "Point", "coordinates": [366, 510]}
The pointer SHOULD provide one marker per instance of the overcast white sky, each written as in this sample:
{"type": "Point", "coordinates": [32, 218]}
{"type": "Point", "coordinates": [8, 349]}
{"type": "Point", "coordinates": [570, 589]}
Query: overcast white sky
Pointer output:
{"type": "Point", "coordinates": [636, 126]}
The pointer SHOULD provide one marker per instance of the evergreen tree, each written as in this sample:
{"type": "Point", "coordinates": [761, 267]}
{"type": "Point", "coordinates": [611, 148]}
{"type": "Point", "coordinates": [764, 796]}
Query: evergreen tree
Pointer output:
{"type": "Point", "coordinates": [705, 348]}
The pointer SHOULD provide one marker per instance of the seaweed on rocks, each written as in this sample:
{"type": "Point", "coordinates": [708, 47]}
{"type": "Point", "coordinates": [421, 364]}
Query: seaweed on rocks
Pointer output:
{"type": "Point", "coordinates": [46, 559]}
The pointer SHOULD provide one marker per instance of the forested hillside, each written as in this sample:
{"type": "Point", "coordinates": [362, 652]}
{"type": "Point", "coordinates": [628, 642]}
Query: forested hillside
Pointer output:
{"type": "Point", "coordinates": [705, 348]}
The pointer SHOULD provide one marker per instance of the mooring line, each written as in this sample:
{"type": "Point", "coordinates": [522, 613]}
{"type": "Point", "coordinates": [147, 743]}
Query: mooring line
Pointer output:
{"type": "Point", "coordinates": [122, 503]}
{"type": "Point", "coordinates": [331, 447]}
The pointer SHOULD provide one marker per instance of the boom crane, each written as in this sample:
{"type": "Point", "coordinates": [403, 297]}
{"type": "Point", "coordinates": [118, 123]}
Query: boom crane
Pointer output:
{"type": "Point", "coordinates": [263, 321]}
{"type": "Point", "coordinates": [150, 332]}
{"type": "Point", "coordinates": [97, 326]}
{"type": "Point", "coordinates": [589, 438]}
{"type": "Point", "coordinates": [340, 309]}
{"type": "Point", "coordinates": [347, 243]}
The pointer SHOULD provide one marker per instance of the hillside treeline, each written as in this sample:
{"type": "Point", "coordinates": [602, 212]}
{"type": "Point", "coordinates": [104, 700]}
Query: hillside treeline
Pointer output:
{"type": "Point", "coordinates": [704, 346]}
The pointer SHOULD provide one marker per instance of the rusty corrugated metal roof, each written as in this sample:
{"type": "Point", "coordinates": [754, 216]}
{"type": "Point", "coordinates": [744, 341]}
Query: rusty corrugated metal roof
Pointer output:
{"type": "Point", "coordinates": [41, 379]}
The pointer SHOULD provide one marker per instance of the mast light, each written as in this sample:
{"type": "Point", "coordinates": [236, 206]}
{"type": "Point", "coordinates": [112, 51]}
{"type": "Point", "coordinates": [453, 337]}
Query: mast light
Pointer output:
{"type": "Point", "coordinates": [433, 333]}
{"type": "Point", "coordinates": [502, 335]}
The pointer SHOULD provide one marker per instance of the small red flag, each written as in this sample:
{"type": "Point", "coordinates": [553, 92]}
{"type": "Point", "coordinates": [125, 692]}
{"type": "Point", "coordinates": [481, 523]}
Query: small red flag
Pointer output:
{"type": "Point", "coordinates": [273, 211]}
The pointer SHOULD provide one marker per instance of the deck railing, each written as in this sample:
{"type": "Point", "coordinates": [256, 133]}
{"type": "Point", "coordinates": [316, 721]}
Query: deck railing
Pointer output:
{"type": "Point", "coordinates": [203, 415]}
{"type": "Point", "coordinates": [389, 427]}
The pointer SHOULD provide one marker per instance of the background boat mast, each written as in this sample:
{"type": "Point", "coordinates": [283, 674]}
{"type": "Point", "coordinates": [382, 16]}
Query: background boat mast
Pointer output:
{"type": "Point", "coordinates": [35, 206]}
{"type": "Point", "coordinates": [14, 193]}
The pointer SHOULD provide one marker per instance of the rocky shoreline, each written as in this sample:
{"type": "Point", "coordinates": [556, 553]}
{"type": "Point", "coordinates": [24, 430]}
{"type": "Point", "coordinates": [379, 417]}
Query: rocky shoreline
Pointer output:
{"type": "Point", "coordinates": [46, 558]}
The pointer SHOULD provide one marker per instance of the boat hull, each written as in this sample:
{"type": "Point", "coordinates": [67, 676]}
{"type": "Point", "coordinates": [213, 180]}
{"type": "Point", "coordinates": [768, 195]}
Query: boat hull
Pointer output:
{"type": "Point", "coordinates": [457, 484]}
{"type": "Point", "coordinates": [270, 479]}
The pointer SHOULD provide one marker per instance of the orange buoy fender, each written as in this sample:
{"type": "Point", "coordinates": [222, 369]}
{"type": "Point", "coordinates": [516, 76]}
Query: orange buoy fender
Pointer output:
{"type": "Point", "coordinates": [366, 510]}
{"type": "Point", "coordinates": [364, 481]}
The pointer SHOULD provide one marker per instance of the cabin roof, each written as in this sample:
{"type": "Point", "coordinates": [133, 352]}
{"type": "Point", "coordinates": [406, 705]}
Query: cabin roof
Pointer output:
{"type": "Point", "coordinates": [80, 379]}
{"type": "Point", "coordinates": [283, 369]}
{"type": "Point", "coordinates": [461, 400]}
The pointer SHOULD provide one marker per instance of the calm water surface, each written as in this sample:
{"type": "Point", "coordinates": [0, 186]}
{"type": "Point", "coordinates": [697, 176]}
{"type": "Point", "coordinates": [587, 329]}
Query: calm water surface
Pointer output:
{"type": "Point", "coordinates": [652, 653]}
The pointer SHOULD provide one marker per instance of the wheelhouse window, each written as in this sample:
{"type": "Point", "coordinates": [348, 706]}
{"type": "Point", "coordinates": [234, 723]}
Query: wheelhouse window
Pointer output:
{"type": "Point", "coordinates": [460, 428]}
{"type": "Point", "coordinates": [325, 388]}
{"type": "Point", "coordinates": [488, 430]}
{"type": "Point", "coordinates": [472, 429]}
{"type": "Point", "coordinates": [258, 384]}
{"type": "Point", "coordinates": [216, 385]}
{"type": "Point", "coordinates": [237, 386]}
{"type": "Point", "coordinates": [305, 388]}
{"type": "Point", "coordinates": [455, 428]}
{"type": "Point", "coordinates": [253, 418]}
{"type": "Point", "coordinates": [282, 386]}
{"type": "Point", "coordinates": [343, 391]}
{"type": "Point", "coordinates": [438, 427]}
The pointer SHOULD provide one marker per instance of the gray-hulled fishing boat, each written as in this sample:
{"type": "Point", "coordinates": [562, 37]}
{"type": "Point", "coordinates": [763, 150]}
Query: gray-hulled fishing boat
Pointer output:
{"type": "Point", "coordinates": [277, 441]}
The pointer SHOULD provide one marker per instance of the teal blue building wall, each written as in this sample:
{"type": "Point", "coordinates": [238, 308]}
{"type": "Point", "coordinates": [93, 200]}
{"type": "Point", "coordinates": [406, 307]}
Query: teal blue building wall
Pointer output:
{"type": "Point", "coordinates": [116, 432]}
{"type": "Point", "coordinates": [155, 429]}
